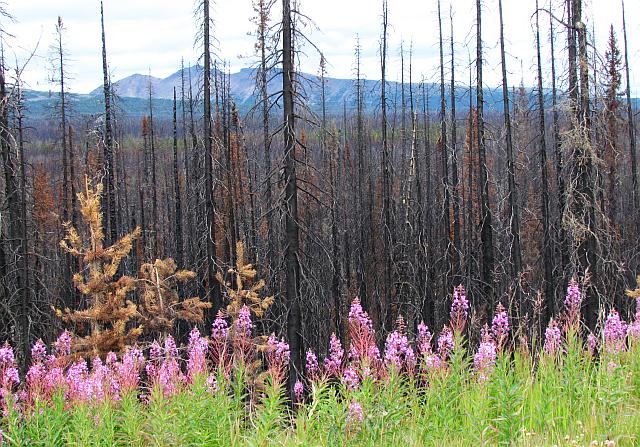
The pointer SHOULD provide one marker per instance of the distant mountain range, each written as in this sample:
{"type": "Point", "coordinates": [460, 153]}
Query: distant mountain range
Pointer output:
{"type": "Point", "coordinates": [133, 95]}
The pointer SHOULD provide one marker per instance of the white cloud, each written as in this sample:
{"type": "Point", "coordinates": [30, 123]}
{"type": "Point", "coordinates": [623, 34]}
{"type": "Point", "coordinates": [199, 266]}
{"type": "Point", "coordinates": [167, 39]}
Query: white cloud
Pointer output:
{"type": "Point", "coordinates": [145, 35]}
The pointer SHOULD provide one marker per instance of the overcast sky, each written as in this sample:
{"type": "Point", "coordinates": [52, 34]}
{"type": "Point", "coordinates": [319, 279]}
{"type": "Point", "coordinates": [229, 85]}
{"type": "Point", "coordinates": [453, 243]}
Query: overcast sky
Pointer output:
{"type": "Point", "coordinates": [153, 35]}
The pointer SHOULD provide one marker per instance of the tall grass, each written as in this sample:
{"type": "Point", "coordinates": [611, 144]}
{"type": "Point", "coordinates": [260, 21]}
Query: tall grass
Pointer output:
{"type": "Point", "coordinates": [571, 391]}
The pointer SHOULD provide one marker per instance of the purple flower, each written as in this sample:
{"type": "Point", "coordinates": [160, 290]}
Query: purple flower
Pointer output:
{"type": "Point", "coordinates": [63, 344]}
{"type": "Point", "coordinates": [573, 303]}
{"type": "Point", "coordinates": [312, 365]}
{"type": "Point", "coordinates": [6, 356]}
{"type": "Point", "coordinates": [278, 355]}
{"type": "Point", "coordinates": [355, 415]}
{"type": "Point", "coordinates": [197, 360]}
{"type": "Point", "coordinates": [398, 351]}
{"type": "Point", "coordinates": [128, 371]}
{"type": "Point", "coordinates": [445, 343]}
{"type": "Point", "coordinates": [485, 358]}
{"type": "Point", "coordinates": [298, 391]}
{"type": "Point", "coordinates": [219, 328]}
{"type": "Point", "coordinates": [459, 309]}
{"type": "Point", "coordinates": [615, 331]}
{"type": "Point", "coordinates": [170, 348]}
{"type": "Point", "coordinates": [358, 316]}
{"type": "Point", "coordinates": [333, 363]}
{"type": "Point", "coordinates": [500, 325]}
{"type": "Point", "coordinates": [424, 340]}
{"type": "Point", "coordinates": [243, 323]}
{"type": "Point", "coordinates": [552, 339]}
{"type": "Point", "coordinates": [592, 344]}
{"type": "Point", "coordinates": [212, 384]}
{"type": "Point", "coordinates": [38, 351]}
{"type": "Point", "coordinates": [350, 378]}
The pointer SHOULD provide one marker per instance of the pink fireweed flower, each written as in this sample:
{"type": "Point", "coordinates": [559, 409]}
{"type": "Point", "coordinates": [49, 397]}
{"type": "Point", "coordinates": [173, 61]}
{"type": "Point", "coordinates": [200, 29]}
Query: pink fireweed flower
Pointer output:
{"type": "Point", "coordinates": [243, 323]}
{"type": "Point", "coordinates": [212, 384]}
{"type": "Point", "coordinates": [614, 333]}
{"type": "Point", "coordinates": [592, 344]}
{"type": "Point", "coordinates": [423, 340]}
{"type": "Point", "coordinates": [446, 343]}
{"type": "Point", "coordinates": [78, 387]}
{"type": "Point", "coordinates": [552, 339]}
{"type": "Point", "coordinates": [484, 360]}
{"type": "Point", "coordinates": [278, 355]}
{"type": "Point", "coordinates": [9, 377]}
{"type": "Point", "coordinates": [633, 330]}
{"type": "Point", "coordinates": [356, 414]}
{"type": "Point", "coordinates": [573, 303]}
{"type": "Point", "coordinates": [219, 342]}
{"type": "Point", "coordinates": [63, 345]}
{"type": "Point", "coordinates": [362, 336]}
{"type": "Point", "coordinates": [459, 309]}
{"type": "Point", "coordinates": [197, 354]}
{"type": "Point", "coordinates": [169, 377]}
{"type": "Point", "coordinates": [398, 352]}
{"type": "Point", "coordinates": [357, 315]}
{"type": "Point", "coordinates": [313, 370]}
{"type": "Point", "coordinates": [350, 378]}
{"type": "Point", "coordinates": [500, 326]}
{"type": "Point", "coordinates": [298, 391]}
{"type": "Point", "coordinates": [219, 328]}
{"type": "Point", "coordinates": [333, 363]}
{"type": "Point", "coordinates": [128, 370]}
{"type": "Point", "coordinates": [38, 352]}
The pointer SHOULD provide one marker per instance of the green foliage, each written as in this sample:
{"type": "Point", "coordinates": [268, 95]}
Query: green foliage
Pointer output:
{"type": "Point", "coordinates": [574, 399]}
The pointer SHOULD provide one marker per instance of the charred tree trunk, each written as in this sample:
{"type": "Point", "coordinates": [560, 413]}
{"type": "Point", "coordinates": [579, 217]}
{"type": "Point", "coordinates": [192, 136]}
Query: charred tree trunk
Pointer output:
{"type": "Point", "coordinates": [512, 201]}
{"type": "Point", "coordinates": [109, 205]}
{"type": "Point", "coordinates": [292, 262]}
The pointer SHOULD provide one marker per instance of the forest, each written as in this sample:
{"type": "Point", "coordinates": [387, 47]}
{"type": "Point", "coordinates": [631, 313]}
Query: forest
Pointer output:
{"type": "Point", "coordinates": [289, 219]}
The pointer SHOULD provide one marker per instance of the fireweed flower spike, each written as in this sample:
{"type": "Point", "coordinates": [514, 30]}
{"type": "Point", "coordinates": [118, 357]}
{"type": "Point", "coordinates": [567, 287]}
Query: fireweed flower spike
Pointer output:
{"type": "Point", "coordinates": [333, 363]}
{"type": "Point", "coordinates": [500, 326]}
{"type": "Point", "coordinates": [445, 343]}
{"type": "Point", "coordinates": [573, 303]}
{"type": "Point", "coordinates": [485, 358]}
{"type": "Point", "coordinates": [313, 370]}
{"type": "Point", "coordinates": [459, 309]}
{"type": "Point", "coordinates": [614, 333]}
{"type": "Point", "coordinates": [552, 339]}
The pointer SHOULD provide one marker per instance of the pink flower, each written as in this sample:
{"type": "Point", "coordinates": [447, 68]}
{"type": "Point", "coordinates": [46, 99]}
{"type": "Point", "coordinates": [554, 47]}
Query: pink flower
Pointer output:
{"type": "Point", "coordinates": [592, 344]}
{"type": "Point", "coordinates": [312, 368]}
{"type": "Point", "coordinates": [219, 328]}
{"type": "Point", "coordinates": [573, 303]}
{"type": "Point", "coordinates": [333, 363]}
{"type": "Point", "coordinates": [424, 340]}
{"type": "Point", "coordinates": [500, 325]}
{"type": "Point", "coordinates": [298, 391]}
{"type": "Point", "coordinates": [63, 344]}
{"type": "Point", "coordinates": [485, 358]}
{"type": "Point", "coordinates": [615, 331]}
{"type": "Point", "coordinates": [362, 336]}
{"type": "Point", "coordinates": [38, 352]}
{"type": "Point", "coordinates": [445, 343]}
{"type": "Point", "coordinates": [552, 339]}
{"type": "Point", "coordinates": [243, 323]}
{"type": "Point", "coordinates": [350, 378]}
{"type": "Point", "coordinates": [398, 351]}
{"type": "Point", "coordinates": [459, 309]}
{"type": "Point", "coordinates": [278, 356]}
{"type": "Point", "coordinates": [356, 414]}
{"type": "Point", "coordinates": [358, 316]}
{"type": "Point", "coordinates": [197, 361]}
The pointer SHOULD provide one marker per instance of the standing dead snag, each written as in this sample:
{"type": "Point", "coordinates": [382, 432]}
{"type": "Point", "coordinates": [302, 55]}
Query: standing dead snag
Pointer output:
{"type": "Point", "coordinates": [160, 303]}
{"type": "Point", "coordinates": [109, 310]}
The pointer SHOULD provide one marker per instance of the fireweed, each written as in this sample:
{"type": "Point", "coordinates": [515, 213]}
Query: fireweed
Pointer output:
{"type": "Point", "coordinates": [415, 392]}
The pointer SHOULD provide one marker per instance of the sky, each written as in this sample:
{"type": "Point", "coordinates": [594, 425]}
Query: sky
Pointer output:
{"type": "Point", "coordinates": [151, 36]}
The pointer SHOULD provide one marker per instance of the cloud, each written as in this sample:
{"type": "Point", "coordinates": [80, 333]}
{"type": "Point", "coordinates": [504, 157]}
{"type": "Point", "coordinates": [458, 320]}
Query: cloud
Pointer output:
{"type": "Point", "coordinates": [154, 35]}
